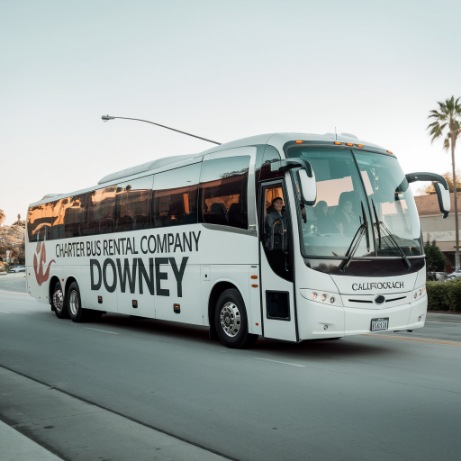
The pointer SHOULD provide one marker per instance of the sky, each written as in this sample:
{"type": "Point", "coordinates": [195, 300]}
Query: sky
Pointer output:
{"type": "Point", "coordinates": [221, 69]}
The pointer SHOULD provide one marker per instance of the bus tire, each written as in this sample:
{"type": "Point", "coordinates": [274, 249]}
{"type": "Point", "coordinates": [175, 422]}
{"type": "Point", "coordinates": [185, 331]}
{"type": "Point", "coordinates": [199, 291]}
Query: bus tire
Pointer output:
{"type": "Point", "coordinates": [74, 304]}
{"type": "Point", "coordinates": [57, 302]}
{"type": "Point", "coordinates": [231, 321]}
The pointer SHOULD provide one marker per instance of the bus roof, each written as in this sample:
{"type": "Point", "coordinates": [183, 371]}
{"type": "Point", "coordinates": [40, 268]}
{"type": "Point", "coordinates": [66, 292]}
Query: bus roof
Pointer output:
{"type": "Point", "coordinates": [278, 140]}
{"type": "Point", "coordinates": [153, 165]}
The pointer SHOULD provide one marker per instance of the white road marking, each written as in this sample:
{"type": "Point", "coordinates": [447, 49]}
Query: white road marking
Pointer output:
{"type": "Point", "coordinates": [283, 363]}
{"type": "Point", "coordinates": [102, 331]}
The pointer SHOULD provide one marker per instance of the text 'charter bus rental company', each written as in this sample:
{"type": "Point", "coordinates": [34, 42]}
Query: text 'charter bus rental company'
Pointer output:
{"type": "Point", "coordinates": [285, 236]}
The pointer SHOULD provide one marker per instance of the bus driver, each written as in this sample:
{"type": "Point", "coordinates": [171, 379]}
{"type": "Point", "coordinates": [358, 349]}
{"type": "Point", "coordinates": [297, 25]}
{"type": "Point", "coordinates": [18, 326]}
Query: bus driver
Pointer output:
{"type": "Point", "coordinates": [276, 226]}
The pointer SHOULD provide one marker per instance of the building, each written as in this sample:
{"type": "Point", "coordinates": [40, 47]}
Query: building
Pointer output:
{"type": "Point", "coordinates": [436, 228]}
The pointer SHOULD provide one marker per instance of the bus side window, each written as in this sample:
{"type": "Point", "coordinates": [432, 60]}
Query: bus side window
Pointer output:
{"type": "Point", "coordinates": [175, 196]}
{"type": "Point", "coordinates": [223, 191]}
{"type": "Point", "coordinates": [134, 204]}
{"type": "Point", "coordinates": [75, 214]}
{"type": "Point", "coordinates": [217, 214]}
{"type": "Point", "coordinates": [236, 216]}
{"type": "Point", "coordinates": [124, 223]}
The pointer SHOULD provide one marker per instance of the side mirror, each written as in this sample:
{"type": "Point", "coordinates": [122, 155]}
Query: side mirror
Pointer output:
{"type": "Point", "coordinates": [441, 187]}
{"type": "Point", "coordinates": [308, 186]}
{"type": "Point", "coordinates": [444, 199]}
{"type": "Point", "coordinates": [305, 174]}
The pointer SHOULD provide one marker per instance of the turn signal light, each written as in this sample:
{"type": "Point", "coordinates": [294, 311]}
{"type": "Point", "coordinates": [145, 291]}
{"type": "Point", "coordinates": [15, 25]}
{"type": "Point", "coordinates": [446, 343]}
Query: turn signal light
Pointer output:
{"type": "Point", "coordinates": [419, 293]}
{"type": "Point", "coordinates": [324, 297]}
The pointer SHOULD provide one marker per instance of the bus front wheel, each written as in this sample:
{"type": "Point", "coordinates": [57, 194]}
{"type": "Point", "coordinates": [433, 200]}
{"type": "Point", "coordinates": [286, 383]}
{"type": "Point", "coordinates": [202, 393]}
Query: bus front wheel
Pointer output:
{"type": "Point", "coordinates": [231, 320]}
{"type": "Point", "coordinates": [57, 302]}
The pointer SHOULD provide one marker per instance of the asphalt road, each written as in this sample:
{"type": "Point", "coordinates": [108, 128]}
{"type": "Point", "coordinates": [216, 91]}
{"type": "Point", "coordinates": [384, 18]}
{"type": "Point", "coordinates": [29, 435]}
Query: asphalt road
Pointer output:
{"type": "Point", "coordinates": [99, 390]}
{"type": "Point", "coordinates": [15, 282]}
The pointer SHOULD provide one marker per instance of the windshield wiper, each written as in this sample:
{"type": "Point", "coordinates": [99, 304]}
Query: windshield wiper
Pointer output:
{"type": "Point", "coordinates": [363, 229]}
{"type": "Point", "coordinates": [365, 223]}
{"type": "Point", "coordinates": [380, 225]}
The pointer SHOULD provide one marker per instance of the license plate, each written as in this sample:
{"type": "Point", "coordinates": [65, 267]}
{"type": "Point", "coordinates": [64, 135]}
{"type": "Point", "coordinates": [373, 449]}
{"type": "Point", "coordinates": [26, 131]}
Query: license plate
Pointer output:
{"type": "Point", "coordinates": [379, 324]}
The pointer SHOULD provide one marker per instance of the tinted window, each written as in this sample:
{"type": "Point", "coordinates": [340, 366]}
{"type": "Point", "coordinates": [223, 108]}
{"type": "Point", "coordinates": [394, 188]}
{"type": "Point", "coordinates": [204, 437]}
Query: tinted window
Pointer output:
{"type": "Point", "coordinates": [40, 219]}
{"type": "Point", "coordinates": [223, 192]}
{"type": "Point", "coordinates": [100, 212]}
{"type": "Point", "coordinates": [62, 218]}
{"type": "Point", "coordinates": [175, 196]}
{"type": "Point", "coordinates": [134, 204]}
{"type": "Point", "coordinates": [75, 214]}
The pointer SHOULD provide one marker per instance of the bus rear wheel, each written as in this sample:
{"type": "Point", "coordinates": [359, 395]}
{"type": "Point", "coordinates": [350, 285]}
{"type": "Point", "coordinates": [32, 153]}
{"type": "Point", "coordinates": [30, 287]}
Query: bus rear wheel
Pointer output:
{"type": "Point", "coordinates": [57, 302]}
{"type": "Point", "coordinates": [74, 304]}
{"type": "Point", "coordinates": [231, 321]}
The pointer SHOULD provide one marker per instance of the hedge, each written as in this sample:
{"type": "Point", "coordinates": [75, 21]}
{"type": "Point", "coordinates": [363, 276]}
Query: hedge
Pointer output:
{"type": "Point", "coordinates": [444, 296]}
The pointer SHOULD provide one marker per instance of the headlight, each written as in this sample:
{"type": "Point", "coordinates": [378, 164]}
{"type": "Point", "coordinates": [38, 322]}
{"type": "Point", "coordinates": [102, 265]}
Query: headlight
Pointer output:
{"type": "Point", "coordinates": [322, 297]}
{"type": "Point", "coordinates": [419, 293]}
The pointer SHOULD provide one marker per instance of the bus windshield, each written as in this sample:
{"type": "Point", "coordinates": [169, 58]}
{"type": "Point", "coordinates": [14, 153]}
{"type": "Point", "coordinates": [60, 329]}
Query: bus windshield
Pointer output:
{"type": "Point", "coordinates": [364, 206]}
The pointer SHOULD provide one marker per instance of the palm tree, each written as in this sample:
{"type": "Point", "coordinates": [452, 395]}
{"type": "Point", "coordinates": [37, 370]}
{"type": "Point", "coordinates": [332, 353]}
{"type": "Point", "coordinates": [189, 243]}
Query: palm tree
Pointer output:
{"type": "Point", "coordinates": [447, 122]}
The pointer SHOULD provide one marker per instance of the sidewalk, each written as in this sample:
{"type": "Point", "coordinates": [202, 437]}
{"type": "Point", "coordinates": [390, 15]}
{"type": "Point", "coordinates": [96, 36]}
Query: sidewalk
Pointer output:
{"type": "Point", "coordinates": [77, 430]}
{"type": "Point", "coordinates": [15, 446]}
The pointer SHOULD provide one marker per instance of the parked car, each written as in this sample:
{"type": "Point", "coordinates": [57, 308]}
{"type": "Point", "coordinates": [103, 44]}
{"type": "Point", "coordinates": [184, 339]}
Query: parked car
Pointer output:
{"type": "Point", "coordinates": [436, 276]}
{"type": "Point", "coordinates": [456, 275]}
{"type": "Point", "coordinates": [17, 268]}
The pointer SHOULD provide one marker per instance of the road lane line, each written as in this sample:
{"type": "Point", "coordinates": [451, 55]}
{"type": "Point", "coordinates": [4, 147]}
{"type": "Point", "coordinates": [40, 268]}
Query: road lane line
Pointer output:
{"type": "Point", "coordinates": [102, 331]}
{"type": "Point", "coordinates": [283, 363]}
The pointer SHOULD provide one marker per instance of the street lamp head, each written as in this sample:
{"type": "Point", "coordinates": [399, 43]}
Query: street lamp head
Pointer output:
{"type": "Point", "coordinates": [107, 117]}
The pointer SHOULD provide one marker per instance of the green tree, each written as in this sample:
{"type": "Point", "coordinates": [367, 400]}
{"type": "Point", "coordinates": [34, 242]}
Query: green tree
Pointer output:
{"type": "Point", "coordinates": [447, 124]}
{"type": "Point", "coordinates": [435, 259]}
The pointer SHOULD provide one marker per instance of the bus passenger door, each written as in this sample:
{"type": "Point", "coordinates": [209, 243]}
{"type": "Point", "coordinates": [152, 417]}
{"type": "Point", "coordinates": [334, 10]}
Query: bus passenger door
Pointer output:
{"type": "Point", "coordinates": [278, 302]}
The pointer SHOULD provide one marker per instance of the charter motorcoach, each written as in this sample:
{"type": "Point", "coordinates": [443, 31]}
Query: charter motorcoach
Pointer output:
{"type": "Point", "coordinates": [187, 239]}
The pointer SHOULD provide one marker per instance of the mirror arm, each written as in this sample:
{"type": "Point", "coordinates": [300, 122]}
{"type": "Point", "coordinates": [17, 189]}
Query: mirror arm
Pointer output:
{"type": "Point", "coordinates": [286, 165]}
{"type": "Point", "coordinates": [422, 176]}
{"type": "Point", "coordinates": [440, 185]}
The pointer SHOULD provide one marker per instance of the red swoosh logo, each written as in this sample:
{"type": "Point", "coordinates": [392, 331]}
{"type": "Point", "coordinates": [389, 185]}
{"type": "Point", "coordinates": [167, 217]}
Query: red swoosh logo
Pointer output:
{"type": "Point", "coordinates": [41, 274]}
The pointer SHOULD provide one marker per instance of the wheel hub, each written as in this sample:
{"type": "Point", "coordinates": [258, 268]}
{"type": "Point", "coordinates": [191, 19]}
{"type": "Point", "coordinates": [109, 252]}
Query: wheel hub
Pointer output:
{"type": "Point", "coordinates": [230, 319]}
{"type": "Point", "coordinates": [58, 301]}
{"type": "Point", "coordinates": [74, 304]}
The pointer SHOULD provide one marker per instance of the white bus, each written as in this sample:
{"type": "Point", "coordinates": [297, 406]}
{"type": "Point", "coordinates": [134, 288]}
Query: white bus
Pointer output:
{"type": "Point", "coordinates": [194, 239]}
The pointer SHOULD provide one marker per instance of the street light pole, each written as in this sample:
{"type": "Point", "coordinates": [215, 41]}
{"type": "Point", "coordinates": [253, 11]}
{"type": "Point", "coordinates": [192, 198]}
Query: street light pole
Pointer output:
{"type": "Point", "coordinates": [106, 118]}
